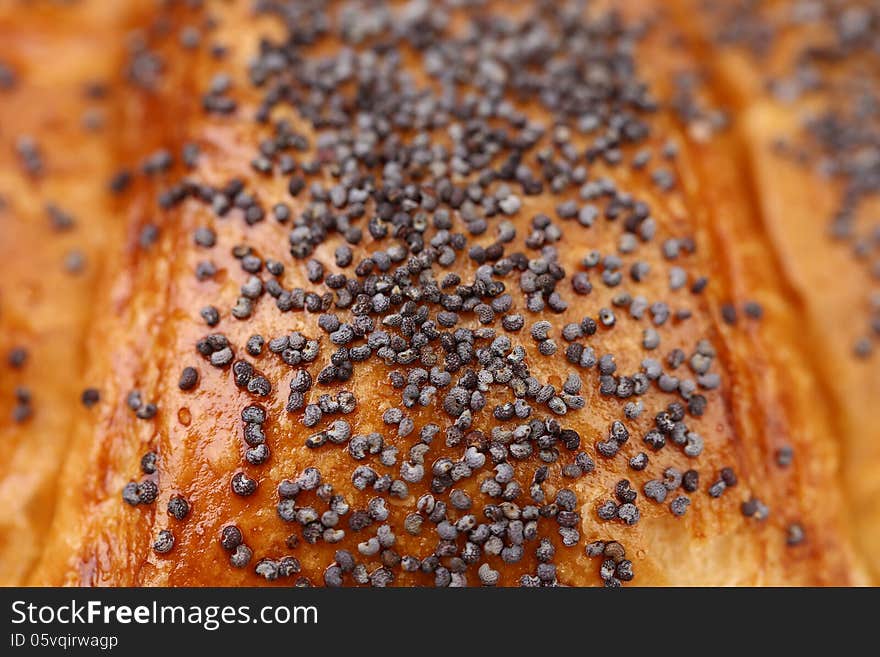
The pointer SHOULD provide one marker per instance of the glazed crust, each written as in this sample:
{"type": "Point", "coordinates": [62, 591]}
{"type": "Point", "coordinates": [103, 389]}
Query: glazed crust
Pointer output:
{"type": "Point", "coordinates": [135, 324]}
{"type": "Point", "coordinates": [796, 205]}
{"type": "Point", "coordinates": [61, 98]}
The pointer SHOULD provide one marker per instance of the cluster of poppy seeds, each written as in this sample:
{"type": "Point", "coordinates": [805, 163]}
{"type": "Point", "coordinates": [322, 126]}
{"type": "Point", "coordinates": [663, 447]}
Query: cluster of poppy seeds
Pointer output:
{"type": "Point", "coordinates": [615, 568]}
{"type": "Point", "coordinates": [16, 359]}
{"type": "Point", "coordinates": [421, 175]}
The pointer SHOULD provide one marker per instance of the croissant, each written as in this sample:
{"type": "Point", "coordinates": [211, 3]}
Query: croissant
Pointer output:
{"type": "Point", "coordinates": [453, 293]}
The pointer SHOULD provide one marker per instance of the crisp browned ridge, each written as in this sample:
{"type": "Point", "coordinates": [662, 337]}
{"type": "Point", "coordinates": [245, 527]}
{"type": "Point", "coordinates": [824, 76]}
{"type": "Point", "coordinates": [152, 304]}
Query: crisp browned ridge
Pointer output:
{"type": "Point", "coordinates": [440, 293]}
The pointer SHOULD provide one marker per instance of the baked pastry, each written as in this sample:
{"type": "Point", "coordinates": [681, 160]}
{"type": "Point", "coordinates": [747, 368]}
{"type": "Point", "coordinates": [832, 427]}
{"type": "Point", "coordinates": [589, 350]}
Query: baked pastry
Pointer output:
{"type": "Point", "coordinates": [56, 153]}
{"type": "Point", "coordinates": [439, 294]}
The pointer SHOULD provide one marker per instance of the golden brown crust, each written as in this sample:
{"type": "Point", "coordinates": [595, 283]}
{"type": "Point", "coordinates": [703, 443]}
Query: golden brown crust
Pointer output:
{"type": "Point", "coordinates": [150, 324]}
{"type": "Point", "coordinates": [829, 287]}
{"type": "Point", "coordinates": [55, 224]}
